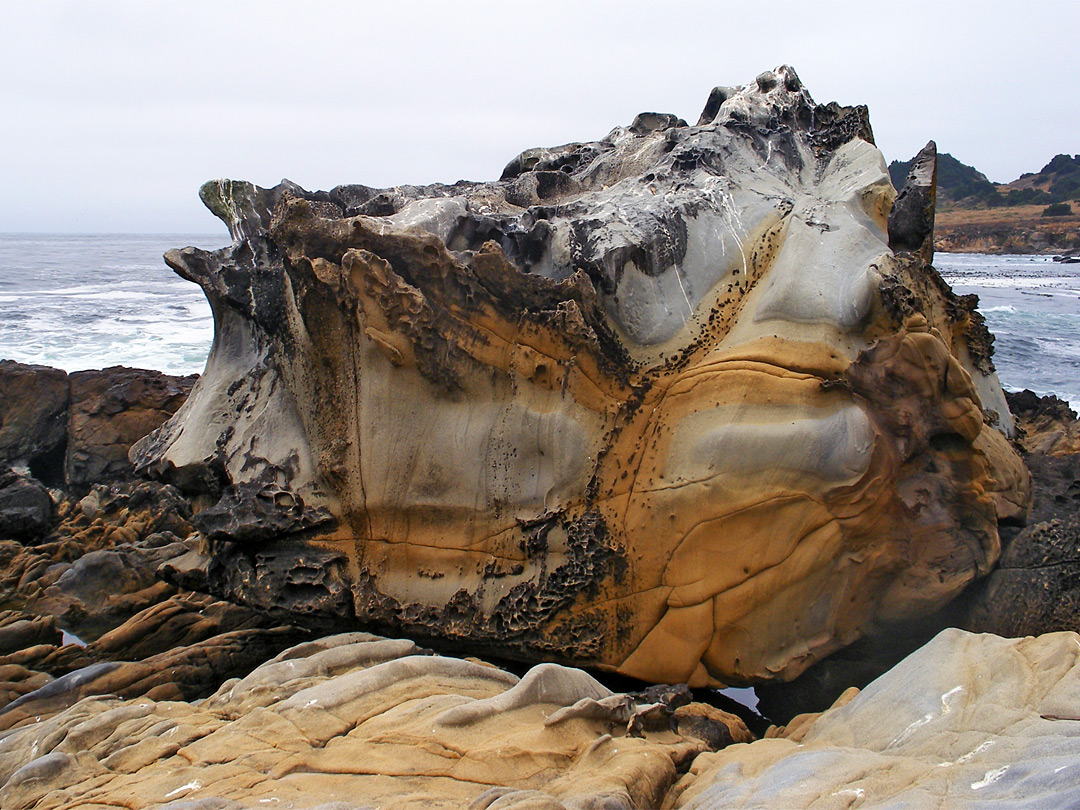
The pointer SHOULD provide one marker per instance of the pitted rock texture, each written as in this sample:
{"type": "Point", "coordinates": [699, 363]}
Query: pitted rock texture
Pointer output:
{"type": "Point", "coordinates": [664, 403]}
{"type": "Point", "coordinates": [364, 721]}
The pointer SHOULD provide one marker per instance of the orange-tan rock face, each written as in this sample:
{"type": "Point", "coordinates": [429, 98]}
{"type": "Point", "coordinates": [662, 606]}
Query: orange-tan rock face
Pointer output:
{"type": "Point", "coordinates": [353, 721]}
{"type": "Point", "coordinates": [665, 403]}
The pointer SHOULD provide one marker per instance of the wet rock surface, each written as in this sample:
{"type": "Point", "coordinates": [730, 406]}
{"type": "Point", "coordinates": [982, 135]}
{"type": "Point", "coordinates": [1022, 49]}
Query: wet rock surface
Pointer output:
{"type": "Point", "coordinates": [632, 406]}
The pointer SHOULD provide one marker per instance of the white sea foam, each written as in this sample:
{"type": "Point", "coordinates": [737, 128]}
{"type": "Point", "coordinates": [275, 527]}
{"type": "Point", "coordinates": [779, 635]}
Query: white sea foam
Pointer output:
{"type": "Point", "coordinates": [80, 302]}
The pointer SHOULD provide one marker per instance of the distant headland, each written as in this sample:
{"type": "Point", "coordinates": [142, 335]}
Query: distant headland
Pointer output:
{"type": "Point", "coordinates": [1039, 212]}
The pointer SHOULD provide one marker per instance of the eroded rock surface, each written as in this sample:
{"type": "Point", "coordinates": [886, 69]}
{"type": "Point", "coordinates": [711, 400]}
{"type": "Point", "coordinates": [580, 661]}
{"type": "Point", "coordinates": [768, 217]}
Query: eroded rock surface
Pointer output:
{"type": "Point", "coordinates": [363, 721]}
{"type": "Point", "coordinates": [664, 403]}
{"type": "Point", "coordinates": [966, 721]}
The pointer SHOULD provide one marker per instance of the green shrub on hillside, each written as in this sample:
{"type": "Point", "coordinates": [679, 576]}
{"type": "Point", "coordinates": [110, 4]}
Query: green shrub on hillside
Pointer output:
{"type": "Point", "coordinates": [1058, 209]}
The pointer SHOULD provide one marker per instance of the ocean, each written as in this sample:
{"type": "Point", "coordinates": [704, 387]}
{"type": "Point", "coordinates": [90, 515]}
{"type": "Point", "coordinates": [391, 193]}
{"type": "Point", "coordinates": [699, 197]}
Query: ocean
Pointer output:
{"type": "Point", "coordinates": [79, 302]}
{"type": "Point", "coordinates": [1032, 307]}
{"type": "Point", "coordinates": [90, 301]}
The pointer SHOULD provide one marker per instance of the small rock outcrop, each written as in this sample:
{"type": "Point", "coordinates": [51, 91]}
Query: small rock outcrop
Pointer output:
{"type": "Point", "coordinates": [26, 508]}
{"type": "Point", "coordinates": [911, 221]}
{"type": "Point", "coordinates": [112, 409]}
{"type": "Point", "coordinates": [75, 430]}
{"type": "Point", "coordinates": [1035, 587]}
{"type": "Point", "coordinates": [664, 403]}
{"type": "Point", "coordinates": [33, 419]}
{"type": "Point", "coordinates": [1049, 427]}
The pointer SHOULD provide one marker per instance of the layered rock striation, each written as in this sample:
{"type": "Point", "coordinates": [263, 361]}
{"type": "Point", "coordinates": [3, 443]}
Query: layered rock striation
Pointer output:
{"type": "Point", "coordinates": [666, 403]}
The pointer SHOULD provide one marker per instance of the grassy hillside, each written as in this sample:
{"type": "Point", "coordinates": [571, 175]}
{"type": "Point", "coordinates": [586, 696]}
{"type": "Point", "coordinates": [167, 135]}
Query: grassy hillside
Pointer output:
{"type": "Point", "coordinates": [1039, 212]}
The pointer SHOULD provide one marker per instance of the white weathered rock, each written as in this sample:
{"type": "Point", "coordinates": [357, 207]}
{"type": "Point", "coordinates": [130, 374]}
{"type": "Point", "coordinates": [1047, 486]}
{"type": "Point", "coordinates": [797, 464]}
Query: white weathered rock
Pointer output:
{"type": "Point", "coordinates": [968, 721]}
{"type": "Point", "coordinates": [365, 722]}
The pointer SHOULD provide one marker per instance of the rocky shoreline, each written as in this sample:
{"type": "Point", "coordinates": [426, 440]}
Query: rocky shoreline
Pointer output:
{"type": "Point", "coordinates": [998, 231]}
{"type": "Point", "coordinates": [162, 701]}
{"type": "Point", "coordinates": [487, 488]}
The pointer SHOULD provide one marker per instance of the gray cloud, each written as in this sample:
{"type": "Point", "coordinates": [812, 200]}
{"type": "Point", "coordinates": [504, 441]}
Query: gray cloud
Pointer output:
{"type": "Point", "coordinates": [115, 112]}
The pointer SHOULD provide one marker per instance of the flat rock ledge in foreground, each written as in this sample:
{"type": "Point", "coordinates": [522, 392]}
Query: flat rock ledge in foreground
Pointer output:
{"type": "Point", "coordinates": [667, 403]}
{"type": "Point", "coordinates": [355, 721]}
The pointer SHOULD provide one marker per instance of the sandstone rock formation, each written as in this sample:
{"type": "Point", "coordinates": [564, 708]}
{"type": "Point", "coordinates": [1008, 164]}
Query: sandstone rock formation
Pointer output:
{"type": "Point", "coordinates": [1033, 589]}
{"type": "Point", "coordinates": [968, 721]}
{"type": "Point", "coordinates": [664, 403]}
{"type": "Point", "coordinates": [362, 721]}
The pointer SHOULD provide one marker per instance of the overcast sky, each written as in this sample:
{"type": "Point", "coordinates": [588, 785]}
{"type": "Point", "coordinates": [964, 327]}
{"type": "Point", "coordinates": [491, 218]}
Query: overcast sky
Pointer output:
{"type": "Point", "coordinates": [113, 113]}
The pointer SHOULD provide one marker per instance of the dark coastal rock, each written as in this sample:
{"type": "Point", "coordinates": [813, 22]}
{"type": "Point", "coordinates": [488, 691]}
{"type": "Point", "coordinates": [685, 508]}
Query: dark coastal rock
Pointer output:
{"type": "Point", "coordinates": [184, 673]}
{"type": "Point", "coordinates": [112, 409]}
{"type": "Point", "coordinates": [103, 588]}
{"type": "Point", "coordinates": [1048, 426]}
{"type": "Point", "coordinates": [911, 221]}
{"type": "Point", "coordinates": [1036, 587]}
{"type": "Point", "coordinates": [20, 631]}
{"type": "Point", "coordinates": [33, 419]}
{"type": "Point", "coordinates": [250, 513]}
{"type": "Point", "coordinates": [97, 565]}
{"type": "Point", "coordinates": [633, 406]}
{"type": "Point", "coordinates": [180, 621]}
{"type": "Point", "coordinates": [27, 510]}
{"type": "Point", "coordinates": [75, 430]}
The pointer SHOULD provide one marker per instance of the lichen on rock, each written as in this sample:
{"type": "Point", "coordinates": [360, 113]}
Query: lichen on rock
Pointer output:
{"type": "Point", "coordinates": [664, 403]}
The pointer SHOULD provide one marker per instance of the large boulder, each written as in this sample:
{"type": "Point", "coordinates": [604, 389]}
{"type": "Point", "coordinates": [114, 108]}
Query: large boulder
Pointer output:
{"type": "Point", "coordinates": [664, 403]}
